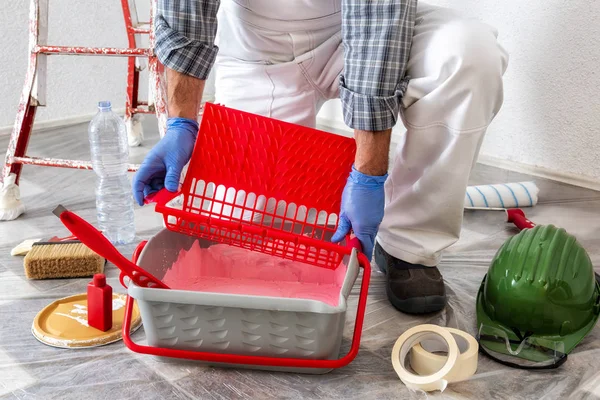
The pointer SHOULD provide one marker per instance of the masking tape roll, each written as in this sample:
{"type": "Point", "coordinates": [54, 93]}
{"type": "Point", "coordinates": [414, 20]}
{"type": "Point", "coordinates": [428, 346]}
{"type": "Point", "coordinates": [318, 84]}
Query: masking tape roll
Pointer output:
{"type": "Point", "coordinates": [413, 336]}
{"type": "Point", "coordinates": [424, 362]}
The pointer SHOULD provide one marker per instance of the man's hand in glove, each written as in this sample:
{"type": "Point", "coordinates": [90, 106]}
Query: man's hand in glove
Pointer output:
{"type": "Point", "coordinates": [363, 201]}
{"type": "Point", "coordinates": [163, 165]}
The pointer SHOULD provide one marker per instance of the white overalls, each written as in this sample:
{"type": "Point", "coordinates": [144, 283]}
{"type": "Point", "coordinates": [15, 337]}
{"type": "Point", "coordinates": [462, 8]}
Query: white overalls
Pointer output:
{"type": "Point", "coordinates": [283, 59]}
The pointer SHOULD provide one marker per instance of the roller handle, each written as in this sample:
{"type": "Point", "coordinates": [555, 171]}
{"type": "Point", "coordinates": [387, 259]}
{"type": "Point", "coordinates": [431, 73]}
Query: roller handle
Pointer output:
{"type": "Point", "coordinates": [518, 218]}
{"type": "Point", "coordinates": [97, 242]}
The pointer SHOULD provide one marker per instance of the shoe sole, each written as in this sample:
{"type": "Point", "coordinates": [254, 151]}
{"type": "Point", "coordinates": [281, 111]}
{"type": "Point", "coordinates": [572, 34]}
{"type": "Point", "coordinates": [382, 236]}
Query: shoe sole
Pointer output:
{"type": "Point", "coordinates": [417, 305]}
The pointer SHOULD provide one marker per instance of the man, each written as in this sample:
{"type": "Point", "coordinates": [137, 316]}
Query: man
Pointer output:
{"type": "Point", "coordinates": [383, 58]}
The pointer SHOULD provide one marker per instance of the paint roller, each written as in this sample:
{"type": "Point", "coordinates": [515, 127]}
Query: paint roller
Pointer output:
{"type": "Point", "coordinates": [501, 196]}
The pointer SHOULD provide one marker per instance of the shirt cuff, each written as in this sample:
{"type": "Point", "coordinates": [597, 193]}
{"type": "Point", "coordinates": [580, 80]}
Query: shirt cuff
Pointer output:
{"type": "Point", "coordinates": [371, 113]}
{"type": "Point", "coordinates": [184, 55]}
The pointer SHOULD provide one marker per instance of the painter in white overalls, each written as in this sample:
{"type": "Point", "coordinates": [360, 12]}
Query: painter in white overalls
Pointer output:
{"type": "Point", "coordinates": [284, 59]}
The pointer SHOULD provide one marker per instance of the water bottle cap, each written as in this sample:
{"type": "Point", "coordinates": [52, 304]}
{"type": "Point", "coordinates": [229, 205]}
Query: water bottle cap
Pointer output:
{"type": "Point", "coordinates": [104, 105]}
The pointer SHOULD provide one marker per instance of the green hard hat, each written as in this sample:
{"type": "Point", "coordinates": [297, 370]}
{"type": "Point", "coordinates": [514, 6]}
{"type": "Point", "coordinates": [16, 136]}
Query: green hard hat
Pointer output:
{"type": "Point", "coordinates": [539, 298]}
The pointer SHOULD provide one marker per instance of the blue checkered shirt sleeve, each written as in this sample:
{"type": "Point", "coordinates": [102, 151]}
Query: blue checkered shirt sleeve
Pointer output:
{"type": "Point", "coordinates": [185, 35]}
{"type": "Point", "coordinates": [377, 37]}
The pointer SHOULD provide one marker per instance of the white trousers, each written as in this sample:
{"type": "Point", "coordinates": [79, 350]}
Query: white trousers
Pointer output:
{"type": "Point", "coordinates": [283, 61]}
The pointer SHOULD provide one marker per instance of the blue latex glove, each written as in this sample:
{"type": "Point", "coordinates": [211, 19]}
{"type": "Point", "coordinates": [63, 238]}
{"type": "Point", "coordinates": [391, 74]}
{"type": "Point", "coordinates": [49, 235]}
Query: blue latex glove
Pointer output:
{"type": "Point", "coordinates": [363, 201]}
{"type": "Point", "coordinates": [163, 164]}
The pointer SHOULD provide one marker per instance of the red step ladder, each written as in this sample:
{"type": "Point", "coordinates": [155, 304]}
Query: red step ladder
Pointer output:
{"type": "Point", "coordinates": [34, 95]}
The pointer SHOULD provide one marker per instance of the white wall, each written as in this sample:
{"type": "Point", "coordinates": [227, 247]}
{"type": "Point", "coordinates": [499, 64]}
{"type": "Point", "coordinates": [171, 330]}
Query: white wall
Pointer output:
{"type": "Point", "coordinates": [551, 114]}
{"type": "Point", "coordinates": [75, 84]}
{"type": "Point", "coordinates": [550, 118]}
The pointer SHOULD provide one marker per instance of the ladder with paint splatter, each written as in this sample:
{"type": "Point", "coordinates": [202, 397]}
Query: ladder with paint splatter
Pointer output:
{"type": "Point", "coordinates": [34, 95]}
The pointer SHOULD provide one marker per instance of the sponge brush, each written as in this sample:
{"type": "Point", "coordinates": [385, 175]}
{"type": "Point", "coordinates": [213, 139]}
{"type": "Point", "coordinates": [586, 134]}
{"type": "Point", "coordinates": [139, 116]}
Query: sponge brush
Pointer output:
{"type": "Point", "coordinates": [62, 260]}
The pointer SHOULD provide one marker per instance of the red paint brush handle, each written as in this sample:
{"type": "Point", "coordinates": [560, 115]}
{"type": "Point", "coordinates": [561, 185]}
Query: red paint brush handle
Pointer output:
{"type": "Point", "coordinates": [517, 217]}
{"type": "Point", "coordinates": [97, 242]}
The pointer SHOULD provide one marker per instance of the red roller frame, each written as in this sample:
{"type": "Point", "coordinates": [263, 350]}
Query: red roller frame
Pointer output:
{"type": "Point", "coordinates": [518, 218]}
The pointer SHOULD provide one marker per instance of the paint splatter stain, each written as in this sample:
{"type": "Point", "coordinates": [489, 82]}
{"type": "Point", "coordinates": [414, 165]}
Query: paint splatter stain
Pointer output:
{"type": "Point", "coordinates": [82, 321]}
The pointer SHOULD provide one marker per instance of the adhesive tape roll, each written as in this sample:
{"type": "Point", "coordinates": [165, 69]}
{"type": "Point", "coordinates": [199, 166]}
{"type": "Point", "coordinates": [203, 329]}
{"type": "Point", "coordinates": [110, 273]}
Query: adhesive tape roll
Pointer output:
{"type": "Point", "coordinates": [413, 336]}
{"type": "Point", "coordinates": [424, 362]}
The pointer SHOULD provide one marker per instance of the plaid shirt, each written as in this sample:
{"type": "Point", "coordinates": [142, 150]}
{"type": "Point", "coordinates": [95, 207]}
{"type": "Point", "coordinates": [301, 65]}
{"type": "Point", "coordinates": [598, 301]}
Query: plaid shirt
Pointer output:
{"type": "Point", "coordinates": [377, 35]}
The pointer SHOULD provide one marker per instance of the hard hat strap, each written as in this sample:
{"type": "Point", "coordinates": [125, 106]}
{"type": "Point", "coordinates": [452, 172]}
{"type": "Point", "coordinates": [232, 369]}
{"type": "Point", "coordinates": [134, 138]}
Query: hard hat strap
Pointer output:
{"type": "Point", "coordinates": [558, 361]}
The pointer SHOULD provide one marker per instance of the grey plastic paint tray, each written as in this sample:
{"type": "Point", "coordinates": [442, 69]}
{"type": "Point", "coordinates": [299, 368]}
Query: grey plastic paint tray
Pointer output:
{"type": "Point", "coordinates": [237, 324]}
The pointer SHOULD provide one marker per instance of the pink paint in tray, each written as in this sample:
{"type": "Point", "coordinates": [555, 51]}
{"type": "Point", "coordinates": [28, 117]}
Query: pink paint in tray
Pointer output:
{"type": "Point", "coordinates": [226, 269]}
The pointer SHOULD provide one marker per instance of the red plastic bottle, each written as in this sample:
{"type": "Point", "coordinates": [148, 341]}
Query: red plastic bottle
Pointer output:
{"type": "Point", "coordinates": [99, 303]}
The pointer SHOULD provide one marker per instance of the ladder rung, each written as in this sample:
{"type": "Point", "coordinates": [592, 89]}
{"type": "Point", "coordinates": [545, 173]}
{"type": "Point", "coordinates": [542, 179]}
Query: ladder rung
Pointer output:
{"type": "Point", "coordinates": [61, 163]}
{"type": "Point", "coordinates": [140, 30]}
{"type": "Point", "coordinates": [141, 111]}
{"type": "Point", "coordinates": [99, 51]}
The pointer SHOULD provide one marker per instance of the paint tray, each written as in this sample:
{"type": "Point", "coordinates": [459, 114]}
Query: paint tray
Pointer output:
{"type": "Point", "coordinates": [266, 186]}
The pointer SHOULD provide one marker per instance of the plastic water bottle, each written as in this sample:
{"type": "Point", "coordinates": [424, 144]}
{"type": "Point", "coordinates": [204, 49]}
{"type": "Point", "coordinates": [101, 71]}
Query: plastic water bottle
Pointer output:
{"type": "Point", "coordinates": [110, 154]}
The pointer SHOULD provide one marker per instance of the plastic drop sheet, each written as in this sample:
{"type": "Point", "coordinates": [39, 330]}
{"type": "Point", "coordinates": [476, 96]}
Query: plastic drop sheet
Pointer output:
{"type": "Point", "coordinates": [31, 370]}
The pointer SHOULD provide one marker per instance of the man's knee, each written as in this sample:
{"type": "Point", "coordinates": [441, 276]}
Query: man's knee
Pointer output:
{"type": "Point", "coordinates": [463, 65]}
{"type": "Point", "coordinates": [468, 50]}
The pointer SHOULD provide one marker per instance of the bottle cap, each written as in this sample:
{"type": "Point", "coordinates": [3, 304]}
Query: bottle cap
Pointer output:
{"type": "Point", "coordinates": [99, 280]}
{"type": "Point", "coordinates": [103, 105]}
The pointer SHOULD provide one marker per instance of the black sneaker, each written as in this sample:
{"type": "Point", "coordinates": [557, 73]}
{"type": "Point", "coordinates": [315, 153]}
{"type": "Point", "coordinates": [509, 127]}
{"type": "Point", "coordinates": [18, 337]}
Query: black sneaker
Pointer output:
{"type": "Point", "coordinates": [411, 288]}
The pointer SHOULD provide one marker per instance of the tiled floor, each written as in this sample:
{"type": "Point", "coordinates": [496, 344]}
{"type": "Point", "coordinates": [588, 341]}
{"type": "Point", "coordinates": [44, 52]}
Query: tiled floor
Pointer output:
{"type": "Point", "coordinates": [29, 369]}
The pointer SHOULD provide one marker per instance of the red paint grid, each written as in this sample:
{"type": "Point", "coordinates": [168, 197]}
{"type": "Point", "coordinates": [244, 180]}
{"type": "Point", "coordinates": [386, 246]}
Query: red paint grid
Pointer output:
{"type": "Point", "coordinates": [283, 183]}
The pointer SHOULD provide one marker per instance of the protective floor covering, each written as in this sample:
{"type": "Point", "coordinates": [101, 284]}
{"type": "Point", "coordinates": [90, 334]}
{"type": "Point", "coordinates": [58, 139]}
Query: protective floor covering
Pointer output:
{"type": "Point", "coordinates": [30, 370]}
